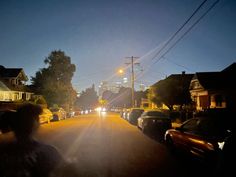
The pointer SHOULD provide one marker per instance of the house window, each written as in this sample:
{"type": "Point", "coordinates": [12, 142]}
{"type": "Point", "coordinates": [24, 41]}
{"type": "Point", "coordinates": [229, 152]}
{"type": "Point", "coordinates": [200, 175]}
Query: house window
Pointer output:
{"type": "Point", "coordinates": [218, 100]}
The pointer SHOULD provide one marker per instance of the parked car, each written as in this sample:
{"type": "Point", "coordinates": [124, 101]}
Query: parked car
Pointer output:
{"type": "Point", "coordinates": [5, 120]}
{"type": "Point", "coordinates": [154, 122]}
{"type": "Point", "coordinates": [202, 137]}
{"type": "Point", "coordinates": [46, 116]}
{"type": "Point", "coordinates": [126, 114]}
{"type": "Point", "coordinates": [58, 113]}
{"type": "Point", "coordinates": [134, 114]}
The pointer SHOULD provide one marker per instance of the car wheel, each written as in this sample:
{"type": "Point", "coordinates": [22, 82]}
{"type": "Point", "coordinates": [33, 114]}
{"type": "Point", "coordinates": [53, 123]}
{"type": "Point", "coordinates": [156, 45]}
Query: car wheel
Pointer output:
{"type": "Point", "coordinates": [145, 131]}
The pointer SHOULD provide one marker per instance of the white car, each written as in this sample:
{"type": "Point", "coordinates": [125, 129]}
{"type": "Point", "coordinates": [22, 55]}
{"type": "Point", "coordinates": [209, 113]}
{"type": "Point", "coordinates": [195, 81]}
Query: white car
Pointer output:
{"type": "Point", "coordinates": [46, 116]}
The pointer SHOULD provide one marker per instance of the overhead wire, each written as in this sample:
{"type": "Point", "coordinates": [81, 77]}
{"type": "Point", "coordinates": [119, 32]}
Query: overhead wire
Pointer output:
{"type": "Point", "coordinates": [177, 64]}
{"type": "Point", "coordinates": [189, 29]}
{"type": "Point", "coordinates": [182, 36]}
{"type": "Point", "coordinates": [173, 36]}
{"type": "Point", "coordinates": [182, 26]}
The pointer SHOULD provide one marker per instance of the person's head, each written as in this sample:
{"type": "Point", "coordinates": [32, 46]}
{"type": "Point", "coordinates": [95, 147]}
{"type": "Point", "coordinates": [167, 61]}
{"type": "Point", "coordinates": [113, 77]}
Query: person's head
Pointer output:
{"type": "Point", "coordinates": [26, 120]}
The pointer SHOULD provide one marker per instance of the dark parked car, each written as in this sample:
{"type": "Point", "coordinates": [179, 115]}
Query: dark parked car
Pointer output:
{"type": "Point", "coordinates": [6, 117]}
{"type": "Point", "coordinates": [154, 122]}
{"type": "Point", "coordinates": [134, 114]}
{"type": "Point", "coordinates": [203, 137]}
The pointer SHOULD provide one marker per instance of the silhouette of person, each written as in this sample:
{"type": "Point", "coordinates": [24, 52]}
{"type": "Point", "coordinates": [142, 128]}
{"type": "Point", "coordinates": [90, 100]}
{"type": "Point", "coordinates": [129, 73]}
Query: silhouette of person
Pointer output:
{"type": "Point", "coordinates": [24, 156]}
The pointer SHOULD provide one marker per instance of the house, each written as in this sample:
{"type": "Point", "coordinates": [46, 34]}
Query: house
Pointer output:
{"type": "Point", "coordinates": [12, 85]}
{"type": "Point", "coordinates": [214, 89]}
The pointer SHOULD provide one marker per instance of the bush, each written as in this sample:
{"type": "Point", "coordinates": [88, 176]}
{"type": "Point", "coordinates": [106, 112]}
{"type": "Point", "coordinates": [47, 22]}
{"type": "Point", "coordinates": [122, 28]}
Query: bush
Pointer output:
{"type": "Point", "coordinates": [40, 100]}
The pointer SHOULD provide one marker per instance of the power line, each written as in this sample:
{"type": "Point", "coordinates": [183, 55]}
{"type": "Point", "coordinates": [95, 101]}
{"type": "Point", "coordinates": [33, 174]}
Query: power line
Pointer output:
{"type": "Point", "coordinates": [204, 14]}
{"type": "Point", "coordinates": [173, 36]}
{"type": "Point", "coordinates": [191, 27]}
{"type": "Point", "coordinates": [177, 64]}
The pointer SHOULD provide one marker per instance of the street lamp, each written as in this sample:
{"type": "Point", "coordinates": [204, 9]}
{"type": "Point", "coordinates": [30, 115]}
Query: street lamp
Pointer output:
{"type": "Point", "coordinates": [120, 71]}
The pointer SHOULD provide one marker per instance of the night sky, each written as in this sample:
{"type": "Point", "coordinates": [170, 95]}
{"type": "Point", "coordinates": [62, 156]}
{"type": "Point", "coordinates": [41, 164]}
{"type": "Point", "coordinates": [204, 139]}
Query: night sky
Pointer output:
{"type": "Point", "coordinates": [98, 35]}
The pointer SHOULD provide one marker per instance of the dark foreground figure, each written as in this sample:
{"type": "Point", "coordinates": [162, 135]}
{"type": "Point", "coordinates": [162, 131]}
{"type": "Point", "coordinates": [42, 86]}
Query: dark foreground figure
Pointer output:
{"type": "Point", "coordinates": [23, 156]}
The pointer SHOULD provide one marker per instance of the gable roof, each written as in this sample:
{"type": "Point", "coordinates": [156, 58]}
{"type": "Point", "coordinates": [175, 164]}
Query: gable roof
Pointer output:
{"type": "Point", "coordinates": [224, 79]}
{"type": "Point", "coordinates": [210, 80]}
{"type": "Point", "coordinates": [11, 72]}
{"type": "Point", "coordinates": [230, 69]}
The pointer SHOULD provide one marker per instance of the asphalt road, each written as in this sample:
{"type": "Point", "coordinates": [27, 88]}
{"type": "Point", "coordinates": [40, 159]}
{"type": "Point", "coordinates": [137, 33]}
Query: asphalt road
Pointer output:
{"type": "Point", "coordinates": [107, 146]}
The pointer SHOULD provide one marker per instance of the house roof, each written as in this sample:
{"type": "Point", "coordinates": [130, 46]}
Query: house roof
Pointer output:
{"type": "Point", "coordinates": [181, 76]}
{"type": "Point", "coordinates": [210, 80]}
{"type": "Point", "coordinates": [11, 72]}
{"type": "Point", "coordinates": [3, 87]}
{"type": "Point", "coordinates": [217, 80]}
{"type": "Point", "coordinates": [230, 69]}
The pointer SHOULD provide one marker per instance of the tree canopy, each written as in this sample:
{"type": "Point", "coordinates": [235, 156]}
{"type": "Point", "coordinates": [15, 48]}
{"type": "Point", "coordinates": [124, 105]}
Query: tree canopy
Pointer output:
{"type": "Point", "coordinates": [54, 81]}
{"type": "Point", "coordinates": [120, 99]}
{"type": "Point", "coordinates": [88, 99]}
{"type": "Point", "coordinates": [171, 91]}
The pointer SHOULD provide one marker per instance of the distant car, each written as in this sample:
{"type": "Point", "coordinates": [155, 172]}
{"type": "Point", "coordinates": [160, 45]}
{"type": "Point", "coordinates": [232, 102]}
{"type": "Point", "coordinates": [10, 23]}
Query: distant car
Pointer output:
{"type": "Point", "coordinates": [134, 114]}
{"type": "Point", "coordinates": [77, 112]}
{"type": "Point", "coordinates": [58, 113]}
{"type": "Point", "coordinates": [203, 137]}
{"type": "Point", "coordinates": [154, 122]}
{"type": "Point", "coordinates": [46, 116]}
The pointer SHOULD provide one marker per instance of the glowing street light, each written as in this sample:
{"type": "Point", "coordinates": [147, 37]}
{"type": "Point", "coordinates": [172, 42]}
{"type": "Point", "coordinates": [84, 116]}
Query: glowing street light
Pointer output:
{"type": "Point", "coordinates": [120, 71]}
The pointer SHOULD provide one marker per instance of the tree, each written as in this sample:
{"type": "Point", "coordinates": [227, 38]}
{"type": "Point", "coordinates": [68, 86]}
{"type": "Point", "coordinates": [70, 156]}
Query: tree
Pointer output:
{"type": "Point", "coordinates": [54, 81]}
{"type": "Point", "coordinates": [138, 96]}
{"type": "Point", "coordinates": [109, 97]}
{"type": "Point", "coordinates": [88, 99]}
{"type": "Point", "coordinates": [122, 98]}
{"type": "Point", "coordinates": [171, 91]}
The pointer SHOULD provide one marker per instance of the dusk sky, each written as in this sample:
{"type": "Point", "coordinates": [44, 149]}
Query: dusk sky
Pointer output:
{"type": "Point", "coordinates": [98, 35]}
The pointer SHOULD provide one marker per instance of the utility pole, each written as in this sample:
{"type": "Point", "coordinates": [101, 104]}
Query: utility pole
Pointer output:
{"type": "Point", "coordinates": [132, 77]}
